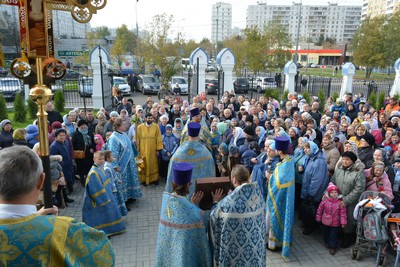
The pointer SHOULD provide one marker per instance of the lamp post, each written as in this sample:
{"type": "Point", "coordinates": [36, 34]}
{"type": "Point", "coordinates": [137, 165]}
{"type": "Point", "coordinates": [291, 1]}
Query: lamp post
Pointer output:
{"type": "Point", "coordinates": [296, 55]}
{"type": "Point", "coordinates": [216, 31]}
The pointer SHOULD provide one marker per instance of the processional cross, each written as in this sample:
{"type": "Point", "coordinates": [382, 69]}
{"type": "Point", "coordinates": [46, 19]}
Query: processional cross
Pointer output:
{"type": "Point", "coordinates": [37, 42]}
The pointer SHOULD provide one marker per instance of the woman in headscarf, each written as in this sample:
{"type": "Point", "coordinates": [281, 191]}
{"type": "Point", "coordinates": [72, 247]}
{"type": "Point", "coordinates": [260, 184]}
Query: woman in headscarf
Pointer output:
{"type": "Point", "coordinates": [298, 158]}
{"type": "Point", "coordinates": [98, 139]}
{"type": "Point", "coordinates": [238, 137]}
{"type": "Point", "coordinates": [315, 181]}
{"type": "Point", "coordinates": [225, 132]}
{"type": "Point", "coordinates": [83, 140]}
{"type": "Point", "coordinates": [294, 136]}
{"type": "Point", "coordinates": [6, 139]}
{"type": "Point", "coordinates": [261, 137]}
{"type": "Point", "coordinates": [178, 128]}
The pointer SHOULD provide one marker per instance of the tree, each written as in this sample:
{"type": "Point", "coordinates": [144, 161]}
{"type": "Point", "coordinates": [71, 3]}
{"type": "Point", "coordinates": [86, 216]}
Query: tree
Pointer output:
{"type": "Point", "coordinates": [102, 32]}
{"type": "Point", "coordinates": [163, 55]}
{"type": "Point", "coordinates": [235, 44]}
{"type": "Point", "coordinates": [255, 49]}
{"type": "Point", "coordinates": [392, 39]}
{"type": "Point", "coordinates": [321, 40]}
{"type": "Point", "coordinates": [125, 43]}
{"type": "Point", "coordinates": [367, 44]}
{"type": "Point", "coordinates": [19, 108]}
{"type": "Point", "coordinates": [278, 42]}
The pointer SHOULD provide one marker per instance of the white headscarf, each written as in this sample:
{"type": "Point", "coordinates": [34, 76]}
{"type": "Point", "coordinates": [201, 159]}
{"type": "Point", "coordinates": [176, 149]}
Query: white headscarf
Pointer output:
{"type": "Point", "coordinates": [238, 134]}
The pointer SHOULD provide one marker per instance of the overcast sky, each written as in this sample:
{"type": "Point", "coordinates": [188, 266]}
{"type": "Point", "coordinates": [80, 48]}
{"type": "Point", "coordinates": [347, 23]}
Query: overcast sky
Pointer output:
{"type": "Point", "coordinates": [192, 17]}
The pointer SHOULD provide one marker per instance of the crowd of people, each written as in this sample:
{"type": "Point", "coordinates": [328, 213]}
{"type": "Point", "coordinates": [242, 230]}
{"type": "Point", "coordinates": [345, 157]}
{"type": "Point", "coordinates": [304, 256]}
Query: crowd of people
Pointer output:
{"type": "Point", "coordinates": [281, 157]}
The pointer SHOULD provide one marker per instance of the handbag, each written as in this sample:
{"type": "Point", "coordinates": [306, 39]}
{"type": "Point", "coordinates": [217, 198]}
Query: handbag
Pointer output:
{"type": "Point", "coordinates": [79, 154]}
{"type": "Point", "coordinates": [327, 219]}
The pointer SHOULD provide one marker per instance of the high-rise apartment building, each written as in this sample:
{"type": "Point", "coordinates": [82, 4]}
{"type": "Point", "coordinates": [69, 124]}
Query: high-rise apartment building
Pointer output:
{"type": "Point", "coordinates": [375, 8]}
{"type": "Point", "coordinates": [221, 21]}
{"type": "Point", "coordinates": [332, 20]}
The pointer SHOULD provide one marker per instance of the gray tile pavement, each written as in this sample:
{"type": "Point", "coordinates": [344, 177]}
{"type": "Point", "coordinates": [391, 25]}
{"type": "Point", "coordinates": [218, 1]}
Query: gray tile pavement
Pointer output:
{"type": "Point", "coordinates": [137, 246]}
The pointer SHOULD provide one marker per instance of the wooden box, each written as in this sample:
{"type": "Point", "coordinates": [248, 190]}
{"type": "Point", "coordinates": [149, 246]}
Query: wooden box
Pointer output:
{"type": "Point", "coordinates": [208, 185]}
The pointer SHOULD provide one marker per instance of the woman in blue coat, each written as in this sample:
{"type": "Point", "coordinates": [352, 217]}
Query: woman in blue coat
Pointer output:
{"type": "Point", "coordinates": [315, 182]}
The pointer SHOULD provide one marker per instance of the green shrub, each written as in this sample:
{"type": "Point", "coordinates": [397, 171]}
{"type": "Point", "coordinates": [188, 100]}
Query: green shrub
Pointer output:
{"type": "Point", "coordinates": [59, 101]}
{"type": "Point", "coordinates": [322, 97]}
{"type": "Point", "coordinates": [285, 94]}
{"type": "Point", "coordinates": [306, 96]}
{"type": "Point", "coordinates": [3, 108]}
{"type": "Point", "coordinates": [335, 96]}
{"type": "Point", "coordinates": [381, 100]}
{"type": "Point", "coordinates": [32, 109]}
{"type": "Point", "coordinates": [19, 109]}
{"type": "Point", "coordinates": [272, 92]}
{"type": "Point", "coordinates": [373, 100]}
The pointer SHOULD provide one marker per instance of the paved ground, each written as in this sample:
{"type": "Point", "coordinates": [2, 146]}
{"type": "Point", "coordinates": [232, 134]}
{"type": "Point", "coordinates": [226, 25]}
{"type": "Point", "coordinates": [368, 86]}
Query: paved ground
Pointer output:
{"type": "Point", "coordinates": [137, 246]}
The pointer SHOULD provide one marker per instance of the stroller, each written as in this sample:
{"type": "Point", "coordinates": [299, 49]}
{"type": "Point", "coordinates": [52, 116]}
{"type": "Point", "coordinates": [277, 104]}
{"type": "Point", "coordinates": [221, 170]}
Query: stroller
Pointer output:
{"type": "Point", "coordinates": [394, 234]}
{"type": "Point", "coordinates": [372, 213]}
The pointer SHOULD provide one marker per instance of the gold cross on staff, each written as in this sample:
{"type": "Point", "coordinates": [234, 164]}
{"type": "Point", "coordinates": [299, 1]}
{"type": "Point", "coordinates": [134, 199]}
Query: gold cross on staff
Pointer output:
{"type": "Point", "coordinates": [169, 212]}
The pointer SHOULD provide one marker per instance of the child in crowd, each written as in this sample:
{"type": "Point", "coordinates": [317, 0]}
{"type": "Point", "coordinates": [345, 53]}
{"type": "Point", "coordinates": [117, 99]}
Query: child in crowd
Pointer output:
{"type": "Point", "coordinates": [222, 159]}
{"type": "Point", "coordinates": [215, 136]}
{"type": "Point", "coordinates": [333, 216]}
{"type": "Point", "coordinates": [112, 172]}
{"type": "Point", "coordinates": [100, 209]}
{"type": "Point", "coordinates": [98, 139]}
{"type": "Point", "coordinates": [105, 146]}
{"type": "Point", "coordinates": [170, 143]}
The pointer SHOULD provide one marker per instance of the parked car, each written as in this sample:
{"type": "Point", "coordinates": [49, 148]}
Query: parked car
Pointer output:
{"type": "Point", "coordinates": [183, 84]}
{"type": "Point", "coordinates": [150, 84]}
{"type": "Point", "coordinates": [10, 87]}
{"type": "Point", "coordinates": [241, 85]}
{"type": "Point", "coordinates": [122, 85]}
{"type": "Point", "coordinates": [265, 82]}
{"type": "Point", "coordinates": [313, 65]}
{"type": "Point", "coordinates": [211, 68]}
{"type": "Point", "coordinates": [212, 86]}
{"type": "Point", "coordinates": [3, 72]}
{"type": "Point", "coordinates": [72, 75]}
{"type": "Point", "coordinates": [86, 86]}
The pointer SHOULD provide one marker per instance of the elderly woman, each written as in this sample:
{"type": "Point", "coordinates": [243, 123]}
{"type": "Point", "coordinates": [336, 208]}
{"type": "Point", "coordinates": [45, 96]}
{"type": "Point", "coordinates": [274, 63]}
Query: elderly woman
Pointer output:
{"type": "Point", "coordinates": [6, 139]}
{"type": "Point", "coordinates": [332, 154]}
{"type": "Point", "coordinates": [381, 155]}
{"type": "Point", "coordinates": [350, 180]}
{"type": "Point", "coordinates": [299, 157]}
{"type": "Point", "coordinates": [315, 181]}
{"type": "Point", "coordinates": [238, 137]}
{"type": "Point", "coordinates": [377, 180]}
{"type": "Point", "coordinates": [83, 140]}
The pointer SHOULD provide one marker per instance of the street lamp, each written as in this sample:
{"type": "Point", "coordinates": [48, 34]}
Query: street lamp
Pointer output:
{"type": "Point", "coordinates": [296, 55]}
{"type": "Point", "coordinates": [216, 31]}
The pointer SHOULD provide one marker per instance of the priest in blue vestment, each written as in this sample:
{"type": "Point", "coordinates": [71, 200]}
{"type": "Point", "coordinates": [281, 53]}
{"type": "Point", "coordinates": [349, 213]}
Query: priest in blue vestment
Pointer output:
{"type": "Point", "coordinates": [280, 200]}
{"type": "Point", "coordinates": [182, 238]}
{"type": "Point", "coordinates": [194, 152]}
{"type": "Point", "coordinates": [30, 239]}
{"type": "Point", "coordinates": [205, 135]}
{"type": "Point", "coordinates": [100, 209]}
{"type": "Point", "coordinates": [237, 224]}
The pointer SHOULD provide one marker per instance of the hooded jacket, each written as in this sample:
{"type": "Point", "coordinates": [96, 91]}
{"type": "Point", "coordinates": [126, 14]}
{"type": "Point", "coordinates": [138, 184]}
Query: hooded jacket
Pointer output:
{"type": "Point", "coordinates": [330, 207]}
{"type": "Point", "coordinates": [315, 177]}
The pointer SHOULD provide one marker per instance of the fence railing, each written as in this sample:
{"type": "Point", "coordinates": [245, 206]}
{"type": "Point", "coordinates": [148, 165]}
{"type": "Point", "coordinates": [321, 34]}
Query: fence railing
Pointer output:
{"type": "Point", "coordinates": [332, 85]}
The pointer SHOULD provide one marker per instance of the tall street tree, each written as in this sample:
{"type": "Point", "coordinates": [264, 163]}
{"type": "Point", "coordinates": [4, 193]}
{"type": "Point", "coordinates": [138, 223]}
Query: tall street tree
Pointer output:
{"type": "Point", "coordinates": [367, 43]}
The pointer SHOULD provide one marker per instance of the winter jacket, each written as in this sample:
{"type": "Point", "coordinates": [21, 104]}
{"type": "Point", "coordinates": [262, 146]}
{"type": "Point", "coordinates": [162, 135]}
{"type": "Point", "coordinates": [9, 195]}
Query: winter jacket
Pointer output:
{"type": "Point", "coordinates": [332, 156]}
{"type": "Point", "coordinates": [246, 154]}
{"type": "Point", "coordinates": [298, 158]}
{"type": "Point", "coordinates": [315, 177]}
{"type": "Point", "coordinates": [55, 167]}
{"type": "Point", "coordinates": [350, 181]}
{"type": "Point", "coordinates": [366, 155]}
{"type": "Point", "coordinates": [170, 143]}
{"type": "Point", "coordinates": [330, 207]}
{"type": "Point", "coordinates": [6, 139]}
{"type": "Point", "coordinates": [371, 185]}
{"type": "Point", "coordinates": [63, 149]}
